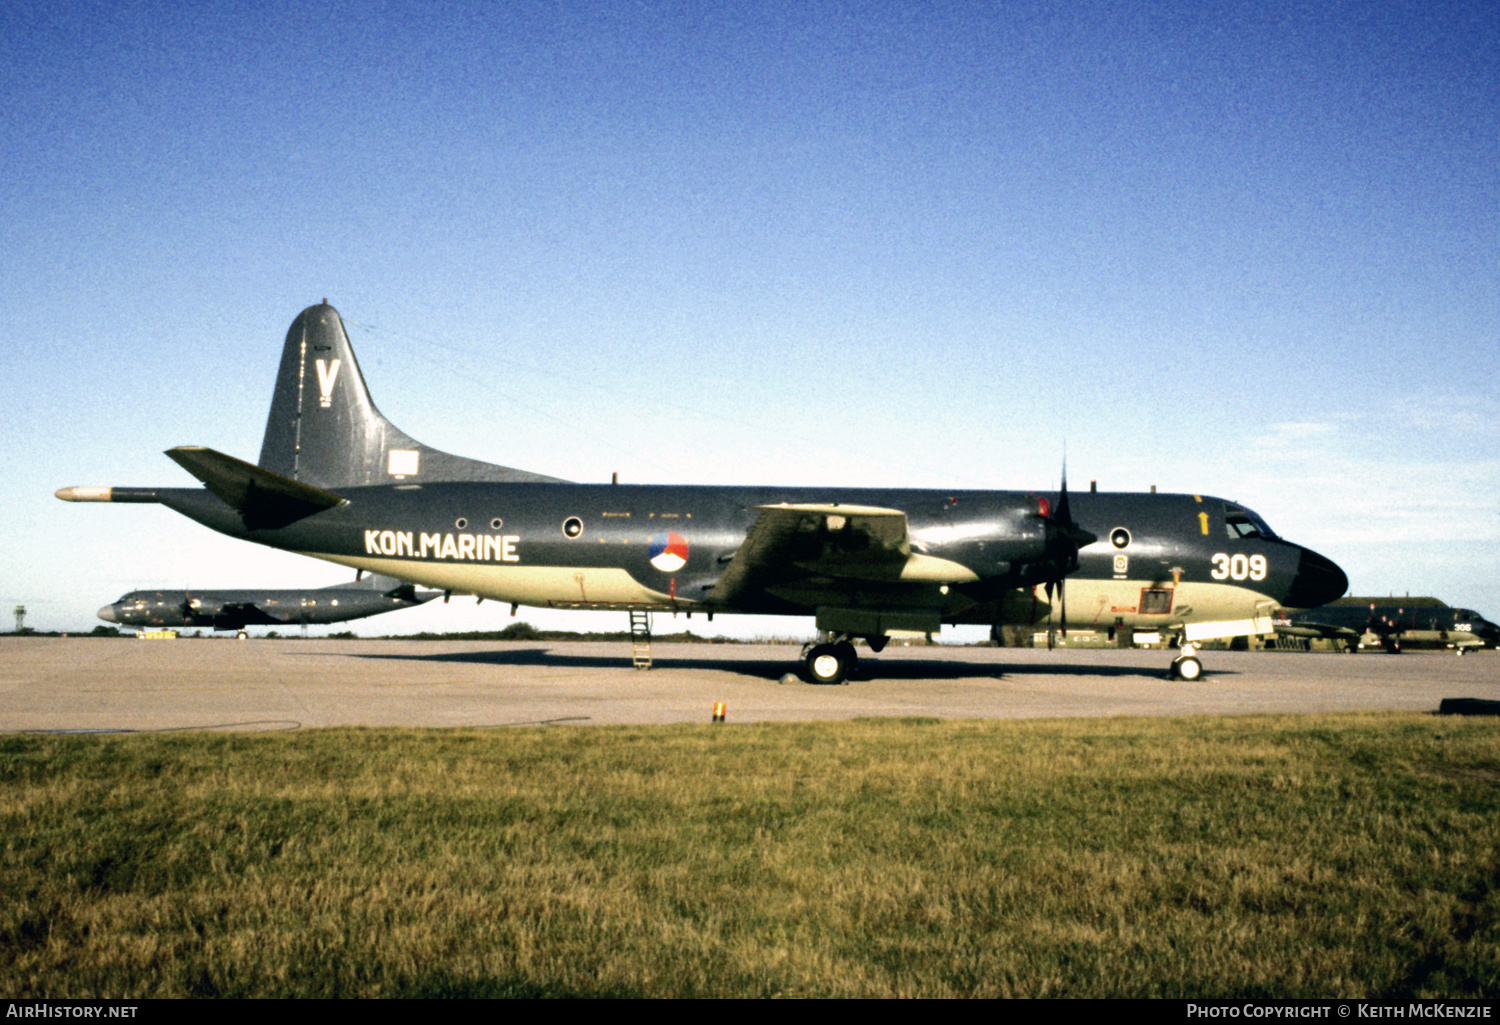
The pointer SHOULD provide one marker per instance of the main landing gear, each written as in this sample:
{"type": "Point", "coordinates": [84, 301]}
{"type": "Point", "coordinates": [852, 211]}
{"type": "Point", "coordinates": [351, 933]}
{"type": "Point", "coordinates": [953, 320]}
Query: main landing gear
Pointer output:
{"type": "Point", "coordinates": [831, 661]}
{"type": "Point", "coordinates": [1186, 665]}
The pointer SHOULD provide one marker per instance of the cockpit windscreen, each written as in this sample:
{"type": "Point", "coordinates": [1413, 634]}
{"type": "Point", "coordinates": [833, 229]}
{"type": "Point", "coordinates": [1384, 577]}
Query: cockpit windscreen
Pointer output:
{"type": "Point", "coordinates": [1240, 522]}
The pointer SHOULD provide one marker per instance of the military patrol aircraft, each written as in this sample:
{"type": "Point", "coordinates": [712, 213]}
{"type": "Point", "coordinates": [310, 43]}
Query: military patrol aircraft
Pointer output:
{"type": "Point", "coordinates": [1413, 622]}
{"type": "Point", "coordinates": [337, 481]}
{"type": "Point", "coordinates": [235, 610]}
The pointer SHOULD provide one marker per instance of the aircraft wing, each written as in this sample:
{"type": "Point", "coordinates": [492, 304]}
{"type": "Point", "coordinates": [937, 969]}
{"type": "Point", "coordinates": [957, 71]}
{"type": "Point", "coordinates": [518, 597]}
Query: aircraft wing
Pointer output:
{"type": "Point", "coordinates": [792, 542]}
{"type": "Point", "coordinates": [391, 587]}
{"type": "Point", "coordinates": [408, 593]}
{"type": "Point", "coordinates": [1314, 631]}
{"type": "Point", "coordinates": [236, 615]}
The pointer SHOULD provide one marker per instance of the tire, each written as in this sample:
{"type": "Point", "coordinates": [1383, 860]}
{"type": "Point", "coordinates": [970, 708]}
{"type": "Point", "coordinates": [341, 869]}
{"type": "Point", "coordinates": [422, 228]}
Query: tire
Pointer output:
{"type": "Point", "coordinates": [1188, 669]}
{"type": "Point", "coordinates": [827, 664]}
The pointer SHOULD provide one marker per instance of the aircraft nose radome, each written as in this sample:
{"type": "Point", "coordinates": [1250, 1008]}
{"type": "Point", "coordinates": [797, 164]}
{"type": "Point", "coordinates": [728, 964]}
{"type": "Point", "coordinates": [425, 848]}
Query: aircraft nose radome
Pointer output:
{"type": "Point", "coordinates": [1318, 582]}
{"type": "Point", "coordinates": [108, 614]}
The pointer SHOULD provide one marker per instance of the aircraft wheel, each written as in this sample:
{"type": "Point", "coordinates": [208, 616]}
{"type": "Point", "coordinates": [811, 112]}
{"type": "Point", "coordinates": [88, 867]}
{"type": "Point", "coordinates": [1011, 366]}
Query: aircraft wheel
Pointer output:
{"type": "Point", "coordinates": [829, 663]}
{"type": "Point", "coordinates": [1188, 669]}
{"type": "Point", "coordinates": [241, 635]}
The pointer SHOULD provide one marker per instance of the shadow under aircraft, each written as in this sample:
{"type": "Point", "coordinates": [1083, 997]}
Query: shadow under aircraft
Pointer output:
{"type": "Point", "coordinates": [338, 481]}
{"type": "Point", "coordinates": [238, 609]}
{"type": "Point", "coordinates": [929, 669]}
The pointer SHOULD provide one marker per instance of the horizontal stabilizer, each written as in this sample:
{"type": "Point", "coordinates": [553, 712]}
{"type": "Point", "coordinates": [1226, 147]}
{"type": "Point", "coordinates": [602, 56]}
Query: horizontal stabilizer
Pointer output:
{"type": "Point", "coordinates": [265, 500]}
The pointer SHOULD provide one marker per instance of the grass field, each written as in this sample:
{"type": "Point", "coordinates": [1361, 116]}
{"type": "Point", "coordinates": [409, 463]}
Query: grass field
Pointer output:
{"type": "Point", "coordinates": [1298, 856]}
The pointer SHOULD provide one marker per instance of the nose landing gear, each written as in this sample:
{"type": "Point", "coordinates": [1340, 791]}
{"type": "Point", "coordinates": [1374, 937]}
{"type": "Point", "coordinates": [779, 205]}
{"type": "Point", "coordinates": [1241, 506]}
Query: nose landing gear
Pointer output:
{"type": "Point", "coordinates": [1186, 665]}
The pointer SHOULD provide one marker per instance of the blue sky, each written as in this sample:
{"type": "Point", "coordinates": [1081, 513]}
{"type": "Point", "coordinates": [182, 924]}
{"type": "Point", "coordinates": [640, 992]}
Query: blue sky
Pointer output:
{"type": "Point", "coordinates": [1250, 250]}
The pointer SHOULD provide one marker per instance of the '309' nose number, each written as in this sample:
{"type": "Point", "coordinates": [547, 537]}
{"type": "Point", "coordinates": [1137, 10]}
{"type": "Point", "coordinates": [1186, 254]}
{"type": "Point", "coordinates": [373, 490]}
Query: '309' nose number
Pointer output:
{"type": "Point", "coordinates": [1239, 567]}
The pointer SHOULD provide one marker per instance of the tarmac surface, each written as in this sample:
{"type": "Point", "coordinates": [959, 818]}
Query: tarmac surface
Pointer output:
{"type": "Point", "coordinates": [108, 684]}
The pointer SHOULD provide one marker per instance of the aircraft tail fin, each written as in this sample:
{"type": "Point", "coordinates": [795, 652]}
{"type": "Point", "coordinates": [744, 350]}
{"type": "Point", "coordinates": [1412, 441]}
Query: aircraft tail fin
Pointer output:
{"type": "Point", "coordinates": [324, 429]}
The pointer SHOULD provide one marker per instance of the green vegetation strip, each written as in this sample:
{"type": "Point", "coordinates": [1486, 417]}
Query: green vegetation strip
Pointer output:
{"type": "Point", "coordinates": [1349, 855]}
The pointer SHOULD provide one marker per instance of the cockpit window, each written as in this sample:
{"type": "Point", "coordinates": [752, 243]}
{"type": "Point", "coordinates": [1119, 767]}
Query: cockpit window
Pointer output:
{"type": "Point", "coordinates": [1239, 523]}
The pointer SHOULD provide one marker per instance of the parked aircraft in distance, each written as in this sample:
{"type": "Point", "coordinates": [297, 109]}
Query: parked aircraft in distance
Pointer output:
{"type": "Point", "coordinates": [1392, 623]}
{"type": "Point", "coordinates": [238, 609]}
{"type": "Point", "coordinates": [337, 481]}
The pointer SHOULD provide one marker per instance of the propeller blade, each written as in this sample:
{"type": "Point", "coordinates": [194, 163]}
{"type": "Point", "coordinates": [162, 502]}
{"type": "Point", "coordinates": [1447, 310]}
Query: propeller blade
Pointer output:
{"type": "Point", "coordinates": [1064, 540]}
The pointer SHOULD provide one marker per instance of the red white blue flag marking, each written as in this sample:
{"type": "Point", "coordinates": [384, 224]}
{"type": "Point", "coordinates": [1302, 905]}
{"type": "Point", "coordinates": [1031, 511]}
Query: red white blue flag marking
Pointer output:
{"type": "Point", "coordinates": [669, 551]}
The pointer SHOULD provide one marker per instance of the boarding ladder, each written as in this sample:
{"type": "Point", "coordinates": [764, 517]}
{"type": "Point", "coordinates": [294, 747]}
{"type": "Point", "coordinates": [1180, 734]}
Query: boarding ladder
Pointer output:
{"type": "Point", "coordinates": [640, 639]}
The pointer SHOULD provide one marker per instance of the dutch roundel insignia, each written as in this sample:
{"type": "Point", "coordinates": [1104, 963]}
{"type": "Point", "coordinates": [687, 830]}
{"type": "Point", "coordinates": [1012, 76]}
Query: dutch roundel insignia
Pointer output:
{"type": "Point", "coordinates": [669, 551]}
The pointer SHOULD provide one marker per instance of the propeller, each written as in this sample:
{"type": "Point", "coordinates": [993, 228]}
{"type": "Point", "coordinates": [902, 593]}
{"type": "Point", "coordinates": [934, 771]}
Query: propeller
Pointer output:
{"type": "Point", "coordinates": [194, 611]}
{"type": "Point", "coordinates": [1064, 538]}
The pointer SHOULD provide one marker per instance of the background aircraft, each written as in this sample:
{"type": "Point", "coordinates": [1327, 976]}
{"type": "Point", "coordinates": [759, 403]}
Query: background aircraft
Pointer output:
{"type": "Point", "coordinates": [1414, 621]}
{"type": "Point", "coordinates": [337, 481]}
{"type": "Point", "coordinates": [235, 610]}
